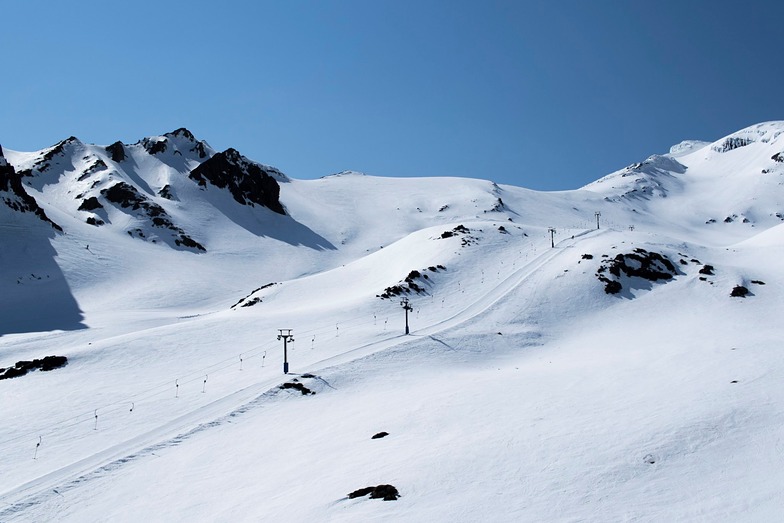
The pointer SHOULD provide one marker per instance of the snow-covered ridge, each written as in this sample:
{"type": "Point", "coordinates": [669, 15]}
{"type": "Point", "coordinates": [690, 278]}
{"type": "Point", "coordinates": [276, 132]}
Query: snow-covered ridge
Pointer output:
{"type": "Point", "coordinates": [654, 177]}
{"type": "Point", "coordinates": [600, 354]}
{"type": "Point", "coordinates": [687, 146]}
{"type": "Point", "coordinates": [136, 188]}
{"type": "Point", "coordinates": [162, 170]}
{"type": "Point", "coordinates": [344, 173]}
{"type": "Point", "coordinates": [733, 180]}
{"type": "Point", "coordinates": [764, 133]}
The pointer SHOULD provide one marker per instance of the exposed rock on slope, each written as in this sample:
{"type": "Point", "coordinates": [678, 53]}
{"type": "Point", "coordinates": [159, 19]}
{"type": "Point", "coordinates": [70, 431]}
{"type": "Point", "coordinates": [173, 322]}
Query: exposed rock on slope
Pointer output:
{"type": "Point", "coordinates": [138, 179]}
{"type": "Point", "coordinates": [13, 194]}
{"type": "Point", "coordinates": [413, 283]}
{"type": "Point", "coordinates": [248, 182]}
{"type": "Point", "coordinates": [57, 156]}
{"type": "Point", "coordinates": [117, 150]}
{"type": "Point", "coordinates": [638, 265]}
{"type": "Point", "coordinates": [732, 142]}
{"type": "Point", "coordinates": [642, 180]}
{"type": "Point", "coordinates": [199, 147]}
{"type": "Point", "coordinates": [127, 197]}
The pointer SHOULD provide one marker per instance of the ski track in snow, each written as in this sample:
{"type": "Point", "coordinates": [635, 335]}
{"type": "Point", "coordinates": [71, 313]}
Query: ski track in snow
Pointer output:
{"type": "Point", "coordinates": [55, 483]}
{"type": "Point", "coordinates": [572, 444]}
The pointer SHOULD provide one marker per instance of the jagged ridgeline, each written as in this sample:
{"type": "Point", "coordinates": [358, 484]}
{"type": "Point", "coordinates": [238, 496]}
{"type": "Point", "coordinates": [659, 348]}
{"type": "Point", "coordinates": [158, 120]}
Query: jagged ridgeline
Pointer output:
{"type": "Point", "coordinates": [15, 197]}
{"type": "Point", "coordinates": [136, 188]}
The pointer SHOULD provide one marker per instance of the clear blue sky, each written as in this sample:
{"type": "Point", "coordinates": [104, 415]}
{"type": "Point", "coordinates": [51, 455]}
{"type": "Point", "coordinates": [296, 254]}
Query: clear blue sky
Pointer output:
{"type": "Point", "coordinates": [542, 94]}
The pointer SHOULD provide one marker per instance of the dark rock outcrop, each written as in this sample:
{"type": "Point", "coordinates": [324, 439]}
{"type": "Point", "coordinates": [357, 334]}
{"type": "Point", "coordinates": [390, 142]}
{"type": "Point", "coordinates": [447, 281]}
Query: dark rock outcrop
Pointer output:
{"type": "Point", "coordinates": [296, 385]}
{"type": "Point", "coordinates": [13, 194]}
{"type": "Point", "coordinates": [385, 492]}
{"type": "Point", "coordinates": [117, 150]}
{"type": "Point", "coordinates": [649, 266]}
{"type": "Point", "coordinates": [733, 143]}
{"type": "Point", "coordinates": [182, 131]}
{"type": "Point", "coordinates": [248, 182]}
{"type": "Point", "coordinates": [127, 197]}
{"type": "Point", "coordinates": [43, 164]}
{"type": "Point", "coordinates": [90, 204]}
{"type": "Point", "coordinates": [165, 192]}
{"type": "Point", "coordinates": [98, 165]}
{"type": "Point", "coordinates": [198, 147]}
{"type": "Point", "coordinates": [59, 149]}
{"type": "Point", "coordinates": [739, 291]}
{"type": "Point", "coordinates": [23, 367]}
{"type": "Point", "coordinates": [250, 300]}
{"type": "Point", "coordinates": [413, 283]}
{"type": "Point", "coordinates": [154, 146]}
{"type": "Point", "coordinates": [460, 229]}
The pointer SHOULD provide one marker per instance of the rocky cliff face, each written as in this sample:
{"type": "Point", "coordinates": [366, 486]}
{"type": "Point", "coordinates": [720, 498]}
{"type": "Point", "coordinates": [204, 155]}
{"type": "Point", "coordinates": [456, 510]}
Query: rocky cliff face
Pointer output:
{"type": "Point", "coordinates": [248, 182]}
{"type": "Point", "coordinates": [128, 198]}
{"type": "Point", "coordinates": [13, 194]}
{"type": "Point", "coordinates": [144, 181]}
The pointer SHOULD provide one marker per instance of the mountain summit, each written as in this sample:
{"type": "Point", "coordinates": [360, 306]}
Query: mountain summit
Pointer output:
{"type": "Point", "coordinates": [134, 188]}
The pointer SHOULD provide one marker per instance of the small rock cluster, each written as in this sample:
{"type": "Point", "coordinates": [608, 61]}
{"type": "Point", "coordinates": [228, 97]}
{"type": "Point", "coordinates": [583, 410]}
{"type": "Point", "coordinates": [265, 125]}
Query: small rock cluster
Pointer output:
{"type": "Point", "coordinates": [385, 492]}
{"type": "Point", "coordinates": [296, 384]}
{"type": "Point", "coordinates": [460, 230]}
{"type": "Point", "coordinates": [251, 300]}
{"type": "Point", "coordinates": [650, 266]}
{"type": "Point", "coordinates": [413, 283]}
{"type": "Point", "coordinates": [23, 367]}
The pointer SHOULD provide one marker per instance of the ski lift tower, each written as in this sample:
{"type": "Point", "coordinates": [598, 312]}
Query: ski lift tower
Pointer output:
{"type": "Point", "coordinates": [286, 336]}
{"type": "Point", "coordinates": [407, 307]}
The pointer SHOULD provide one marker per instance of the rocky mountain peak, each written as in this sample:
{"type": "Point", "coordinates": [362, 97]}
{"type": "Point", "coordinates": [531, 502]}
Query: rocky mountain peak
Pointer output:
{"type": "Point", "coordinates": [232, 155]}
{"type": "Point", "coordinates": [60, 148]}
{"type": "Point", "coordinates": [177, 142]}
{"type": "Point", "coordinates": [182, 132]}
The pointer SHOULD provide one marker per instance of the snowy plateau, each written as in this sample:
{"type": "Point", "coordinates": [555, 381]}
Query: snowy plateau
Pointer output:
{"type": "Point", "coordinates": [611, 353]}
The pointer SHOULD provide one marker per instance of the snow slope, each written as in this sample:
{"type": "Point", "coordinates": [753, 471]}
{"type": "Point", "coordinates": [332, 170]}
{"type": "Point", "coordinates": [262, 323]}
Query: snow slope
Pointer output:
{"type": "Point", "coordinates": [524, 392]}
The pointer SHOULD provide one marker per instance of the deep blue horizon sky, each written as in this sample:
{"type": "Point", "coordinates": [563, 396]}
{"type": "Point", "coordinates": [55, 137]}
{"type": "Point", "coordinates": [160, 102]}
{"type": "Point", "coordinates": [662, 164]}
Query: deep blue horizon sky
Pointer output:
{"type": "Point", "coordinates": [548, 95]}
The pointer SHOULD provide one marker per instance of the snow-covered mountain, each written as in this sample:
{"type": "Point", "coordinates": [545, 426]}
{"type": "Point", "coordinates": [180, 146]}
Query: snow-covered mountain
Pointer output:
{"type": "Point", "coordinates": [607, 353]}
{"type": "Point", "coordinates": [734, 179]}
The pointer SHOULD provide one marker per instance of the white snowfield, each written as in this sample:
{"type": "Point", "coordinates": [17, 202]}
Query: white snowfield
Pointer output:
{"type": "Point", "coordinates": [524, 391]}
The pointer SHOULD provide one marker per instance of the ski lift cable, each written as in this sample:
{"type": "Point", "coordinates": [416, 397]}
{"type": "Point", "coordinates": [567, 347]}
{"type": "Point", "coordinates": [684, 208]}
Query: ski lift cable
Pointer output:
{"type": "Point", "coordinates": [196, 375]}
